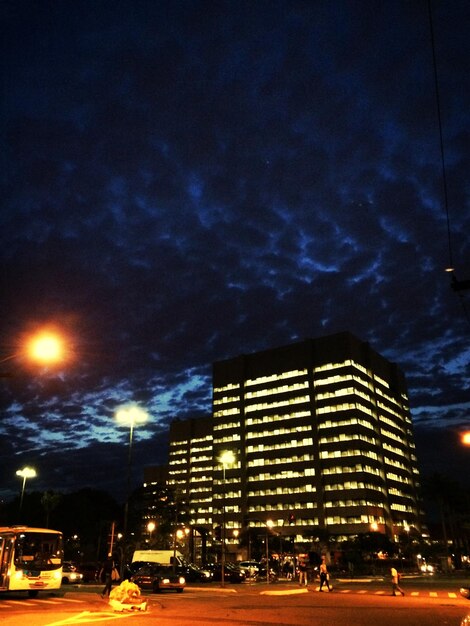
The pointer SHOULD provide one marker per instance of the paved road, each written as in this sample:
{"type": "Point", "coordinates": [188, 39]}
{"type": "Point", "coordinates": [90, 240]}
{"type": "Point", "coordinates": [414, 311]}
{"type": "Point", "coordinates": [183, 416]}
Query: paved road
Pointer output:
{"type": "Point", "coordinates": [350, 604]}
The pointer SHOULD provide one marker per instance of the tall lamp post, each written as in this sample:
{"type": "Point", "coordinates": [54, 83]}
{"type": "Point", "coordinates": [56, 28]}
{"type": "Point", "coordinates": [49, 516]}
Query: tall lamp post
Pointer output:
{"type": "Point", "coordinates": [25, 473]}
{"type": "Point", "coordinates": [130, 416]}
{"type": "Point", "coordinates": [269, 525]}
{"type": "Point", "coordinates": [226, 459]}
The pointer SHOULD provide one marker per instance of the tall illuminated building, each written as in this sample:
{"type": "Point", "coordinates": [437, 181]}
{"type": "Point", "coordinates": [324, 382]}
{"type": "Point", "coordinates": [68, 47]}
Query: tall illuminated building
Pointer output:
{"type": "Point", "coordinates": [322, 436]}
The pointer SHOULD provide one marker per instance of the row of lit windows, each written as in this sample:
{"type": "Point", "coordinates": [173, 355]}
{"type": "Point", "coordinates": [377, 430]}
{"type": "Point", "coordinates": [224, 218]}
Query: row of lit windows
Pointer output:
{"type": "Point", "coordinates": [273, 377]}
{"type": "Point", "coordinates": [329, 504]}
{"type": "Point", "coordinates": [386, 446]}
{"type": "Point", "coordinates": [344, 391]}
{"type": "Point", "coordinates": [334, 366]}
{"type": "Point", "coordinates": [227, 387]}
{"type": "Point", "coordinates": [347, 437]}
{"type": "Point", "coordinates": [398, 492]}
{"type": "Point", "coordinates": [268, 419]}
{"type": "Point", "coordinates": [227, 439]}
{"type": "Point", "coordinates": [287, 459]}
{"type": "Point", "coordinates": [394, 463]}
{"type": "Point", "coordinates": [225, 412]}
{"type": "Point", "coordinates": [384, 407]}
{"type": "Point", "coordinates": [278, 431]}
{"type": "Point", "coordinates": [200, 490]}
{"type": "Point", "coordinates": [387, 397]}
{"type": "Point", "coordinates": [200, 468]}
{"type": "Point", "coordinates": [226, 399]}
{"type": "Point", "coordinates": [227, 480]}
{"type": "Point", "coordinates": [281, 506]}
{"type": "Point", "coordinates": [179, 452]}
{"type": "Point", "coordinates": [345, 378]}
{"type": "Point", "coordinates": [400, 479]}
{"type": "Point", "coordinates": [403, 508]}
{"type": "Point", "coordinates": [353, 484]}
{"type": "Point", "coordinates": [200, 459]}
{"type": "Point", "coordinates": [333, 454]}
{"type": "Point", "coordinates": [308, 471]}
{"type": "Point", "coordinates": [344, 406]}
{"type": "Point", "coordinates": [202, 478]}
{"type": "Point", "coordinates": [228, 495]}
{"type": "Point", "coordinates": [282, 445]}
{"type": "Point", "coordinates": [381, 381]}
{"type": "Point", "coordinates": [339, 469]}
{"type": "Point", "coordinates": [281, 490]}
{"type": "Point", "coordinates": [178, 460]}
{"type": "Point", "coordinates": [355, 421]}
{"type": "Point", "coordinates": [392, 436]}
{"type": "Point", "coordinates": [363, 519]}
{"type": "Point", "coordinates": [275, 405]}
{"type": "Point", "coordinates": [179, 443]}
{"type": "Point", "coordinates": [386, 420]}
{"type": "Point", "coordinates": [195, 501]}
{"type": "Point", "coordinates": [203, 449]}
{"type": "Point", "coordinates": [224, 425]}
{"type": "Point", "coordinates": [275, 390]}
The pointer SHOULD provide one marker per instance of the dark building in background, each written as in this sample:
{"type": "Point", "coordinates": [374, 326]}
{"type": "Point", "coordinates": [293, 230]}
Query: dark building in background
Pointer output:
{"type": "Point", "coordinates": [322, 441]}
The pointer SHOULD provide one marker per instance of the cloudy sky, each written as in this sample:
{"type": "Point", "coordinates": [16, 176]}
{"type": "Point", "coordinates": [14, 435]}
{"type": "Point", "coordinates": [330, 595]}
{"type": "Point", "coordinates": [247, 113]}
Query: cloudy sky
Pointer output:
{"type": "Point", "coordinates": [184, 181]}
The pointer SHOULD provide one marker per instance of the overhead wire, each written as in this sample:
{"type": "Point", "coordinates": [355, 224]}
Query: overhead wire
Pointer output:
{"type": "Point", "coordinates": [458, 286]}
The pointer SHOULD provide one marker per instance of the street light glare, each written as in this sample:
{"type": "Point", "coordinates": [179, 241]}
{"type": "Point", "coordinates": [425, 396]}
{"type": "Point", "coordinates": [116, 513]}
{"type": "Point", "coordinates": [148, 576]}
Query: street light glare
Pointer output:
{"type": "Point", "coordinates": [227, 458]}
{"type": "Point", "coordinates": [466, 438]}
{"type": "Point", "coordinates": [46, 347]}
{"type": "Point", "coordinates": [131, 415]}
{"type": "Point", "coordinates": [26, 472]}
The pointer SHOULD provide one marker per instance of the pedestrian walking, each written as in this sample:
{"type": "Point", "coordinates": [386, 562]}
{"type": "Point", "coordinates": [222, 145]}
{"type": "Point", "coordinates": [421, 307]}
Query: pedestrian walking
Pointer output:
{"type": "Point", "coordinates": [396, 582]}
{"type": "Point", "coordinates": [303, 573]}
{"type": "Point", "coordinates": [106, 572]}
{"type": "Point", "coordinates": [324, 576]}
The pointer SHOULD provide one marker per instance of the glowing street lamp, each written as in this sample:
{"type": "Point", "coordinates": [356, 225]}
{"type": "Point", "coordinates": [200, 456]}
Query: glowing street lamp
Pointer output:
{"type": "Point", "coordinates": [46, 347]}
{"type": "Point", "coordinates": [150, 528]}
{"type": "Point", "coordinates": [25, 473]}
{"type": "Point", "coordinates": [130, 416]}
{"type": "Point", "coordinates": [466, 438]}
{"type": "Point", "coordinates": [226, 459]}
{"type": "Point", "coordinates": [269, 525]}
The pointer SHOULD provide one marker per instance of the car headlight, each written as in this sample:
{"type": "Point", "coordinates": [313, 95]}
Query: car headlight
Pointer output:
{"type": "Point", "coordinates": [182, 580]}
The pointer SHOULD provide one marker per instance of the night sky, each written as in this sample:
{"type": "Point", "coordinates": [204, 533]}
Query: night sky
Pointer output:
{"type": "Point", "coordinates": [187, 181]}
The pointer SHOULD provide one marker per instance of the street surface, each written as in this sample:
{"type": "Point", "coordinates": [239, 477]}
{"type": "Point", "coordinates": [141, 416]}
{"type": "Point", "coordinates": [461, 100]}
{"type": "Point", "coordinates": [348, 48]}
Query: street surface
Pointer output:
{"type": "Point", "coordinates": [358, 603]}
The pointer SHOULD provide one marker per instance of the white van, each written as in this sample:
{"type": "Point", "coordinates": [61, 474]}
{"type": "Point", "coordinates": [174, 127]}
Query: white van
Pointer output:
{"type": "Point", "coordinates": [164, 557]}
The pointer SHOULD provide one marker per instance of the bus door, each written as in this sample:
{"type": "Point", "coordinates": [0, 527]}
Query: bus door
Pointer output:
{"type": "Point", "coordinates": [6, 545]}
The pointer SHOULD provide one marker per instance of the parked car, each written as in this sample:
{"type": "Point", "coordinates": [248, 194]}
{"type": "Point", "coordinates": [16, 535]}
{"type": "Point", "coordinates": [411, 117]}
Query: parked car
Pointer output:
{"type": "Point", "coordinates": [158, 578]}
{"type": "Point", "coordinates": [90, 572]}
{"type": "Point", "coordinates": [193, 574]}
{"type": "Point", "coordinates": [232, 574]}
{"type": "Point", "coordinates": [70, 574]}
{"type": "Point", "coordinates": [251, 568]}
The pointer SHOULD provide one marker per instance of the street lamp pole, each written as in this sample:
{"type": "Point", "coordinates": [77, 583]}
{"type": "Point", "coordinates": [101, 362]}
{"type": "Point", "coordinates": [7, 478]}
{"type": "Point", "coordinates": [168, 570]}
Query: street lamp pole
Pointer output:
{"type": "Point", "coordinates": [130, 416]}
{"type": "Point", "coordinates": [26, 472]}
{"type": "Point", "coordinates": [226, 459]}
{"type": "Point", "coordinates": [269, 525]}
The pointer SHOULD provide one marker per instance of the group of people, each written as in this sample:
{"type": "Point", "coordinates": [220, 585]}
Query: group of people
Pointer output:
{"type": "Point", "coordinates": [324, 576]}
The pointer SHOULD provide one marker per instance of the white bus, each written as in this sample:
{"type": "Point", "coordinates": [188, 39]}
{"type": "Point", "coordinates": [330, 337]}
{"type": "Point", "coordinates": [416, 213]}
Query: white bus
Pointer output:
{"type": "Point", "coordinates": [30, 559]}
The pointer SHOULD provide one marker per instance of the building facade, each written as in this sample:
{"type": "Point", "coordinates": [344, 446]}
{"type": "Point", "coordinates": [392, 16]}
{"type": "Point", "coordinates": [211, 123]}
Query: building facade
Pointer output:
{"type": "Point", "coordinates": [321, 440]}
